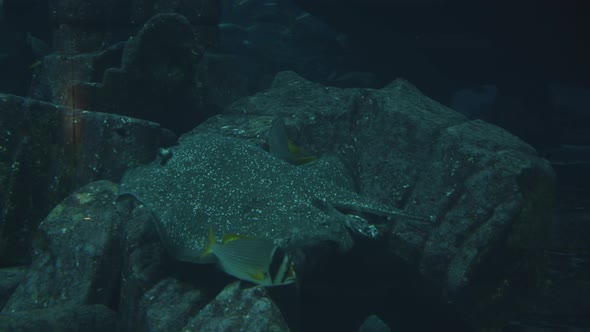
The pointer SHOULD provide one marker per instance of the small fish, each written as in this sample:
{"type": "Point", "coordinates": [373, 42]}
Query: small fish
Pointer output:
{"type": "Point", "coordinates": [257, 260]}
{"type": "Point", "coordinates": [282, 147]}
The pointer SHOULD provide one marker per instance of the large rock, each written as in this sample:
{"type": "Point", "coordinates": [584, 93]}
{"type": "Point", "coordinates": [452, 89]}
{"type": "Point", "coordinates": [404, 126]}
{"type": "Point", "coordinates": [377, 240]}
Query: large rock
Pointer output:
{"type": "Point", "coordinates": [144, 265]}
{"type": "Point", "coordinates": [10, 277]}
{"type": "Point", "coordinates": [406, 198]}
{"type": "Point", "coordinates": [151, 76]}
{"type": "Point", "coordinates": [90, 318]}
{"type": "Point", "coordinates": [79, 26]}
{"type": "Point", "coordinates": [77, 253]}
{"type": "Point", "coordinates": [51, 84]}
{"type": "Point", "coordinates": [476, 201]}
{"type": "Point", "coordinates": [73, 281]}
{"type": "Point", "coordinates": [238, 309]}
{"type": "Point", "coordinates": [99, 264]}
{"type": "Point", "coordinates": [157, 79]}
{"type": "Point", "coordinates": [169, 305]}
{"type": "Point", "coordinates": [47, 151]}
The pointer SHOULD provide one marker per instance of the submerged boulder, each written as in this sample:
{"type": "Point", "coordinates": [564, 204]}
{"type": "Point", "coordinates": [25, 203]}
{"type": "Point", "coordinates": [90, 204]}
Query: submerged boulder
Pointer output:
{"type": "Point", "coordinates": [238, 309]}
{"type": "Point", "coordinates": [406, 197]}
{"type": "Point", "coordinates": [463, 203]}
{"type": "Point", "coordinates": [151, 76]}
{"type": "Point", "coordinates": [98, 266]}
{"type": "Point", "coordinates": [76, 260]}
{"type": "Point", "coordinates": [168, 306]}
{"type": "Point", "coordinates": [74, 278]}
{"type": "Point", "coordinates": [91, 318]}
{"type": "Point", "coordinates": [48, 151]}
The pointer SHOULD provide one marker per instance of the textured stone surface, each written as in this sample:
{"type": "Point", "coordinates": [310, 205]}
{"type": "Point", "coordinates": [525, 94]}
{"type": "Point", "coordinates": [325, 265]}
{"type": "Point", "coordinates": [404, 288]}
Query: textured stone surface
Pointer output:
{"type": "Point", "coordinates": [487, 198]}
{"type": "Point", "coordinates": [150, 76]}
{"type": "Point", "coordinates": [95, 254]}
{"type": "Point", "coordinates": [461, 209]}
{"type": "Point", "coordinates": [47, 151]}
{"type": "Point", "coordinates": [91, 318]}
{"type": "Point", "coordinates": [169, 305]}
{"type": "Point", "coordinates": [238, 309]}
{"type": "Point", "coordinates": [86, 26]}
{"type": "Point", "coordinates": [10, 277]}
{"type": "Point", "coordinates": [144, 265]}
{"type": "Point", "coordinates": [77, 258]}
{"type": "Point", "coordinates": [59, 75]}
{"type": "Point", "coordinates": [156, 78]}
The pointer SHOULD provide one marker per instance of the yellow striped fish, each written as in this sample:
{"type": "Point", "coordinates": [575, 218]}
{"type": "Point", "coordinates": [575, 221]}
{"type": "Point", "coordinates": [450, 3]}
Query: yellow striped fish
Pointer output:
{"type": "Point", "coordinates": [257, 260]}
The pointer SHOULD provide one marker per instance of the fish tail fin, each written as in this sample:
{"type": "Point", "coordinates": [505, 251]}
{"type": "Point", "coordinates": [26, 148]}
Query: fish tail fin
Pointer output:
{"type": "Point", "coordinates": [210, 243]}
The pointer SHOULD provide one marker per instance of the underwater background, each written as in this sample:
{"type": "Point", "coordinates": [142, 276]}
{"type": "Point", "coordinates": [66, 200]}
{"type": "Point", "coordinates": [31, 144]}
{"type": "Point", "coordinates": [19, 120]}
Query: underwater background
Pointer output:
{"type": "Point", "coordinates": [294, 165]}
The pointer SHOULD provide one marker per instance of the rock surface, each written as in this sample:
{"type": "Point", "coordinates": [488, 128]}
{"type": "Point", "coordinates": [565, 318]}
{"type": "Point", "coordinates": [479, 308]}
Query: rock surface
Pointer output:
{"type": "Point", "coordinates": [91, 318]}
{"type": "Point", "coordinates": [236, 309]}
{"type": "Point", "coordinates": [151, 76]}
{"type": "Point", "coordinates": [86, 26]}
{"type": "Point", "coordinates": [76, 258]}
{"type": "Point", "coordinates": [47, 151]}
{"type": "Point", "coordinates": [10, 277]}
{"type": "Point", "coordinates": [485, 195]}
{"type": "Point", "coordinates": [170, 304]}
{"type": "Point", "coordinates": [457, 212]}
{"type": "Point", "coordinates": [98, 266]}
